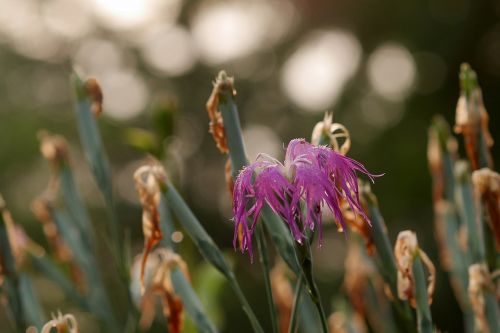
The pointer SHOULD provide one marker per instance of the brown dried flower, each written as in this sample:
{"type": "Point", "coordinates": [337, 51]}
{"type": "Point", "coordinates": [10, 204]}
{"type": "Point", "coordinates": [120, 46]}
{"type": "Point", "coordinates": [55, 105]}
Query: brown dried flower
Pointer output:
{"type": "Point", "coordinates": [216, 125]}
{"type": "Point", "coordinates": [159, 284]}
{"type": "Point", "coordinates": [334, 134]}
{"type": "Point", "coordinates": [95, 94]}
{"type": "Point", "coordinates": [54, 148]}
{"type": "Point", "coordinates": [61, 323]}
{"type": "Point", "coordinates": [148, 181]}
{"type": "Point", "coordinates": [405, 250]}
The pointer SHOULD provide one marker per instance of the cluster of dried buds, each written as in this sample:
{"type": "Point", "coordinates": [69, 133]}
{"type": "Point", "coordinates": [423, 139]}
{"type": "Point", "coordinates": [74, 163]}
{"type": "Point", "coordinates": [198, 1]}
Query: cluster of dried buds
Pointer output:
{"type": "Point", "coordinates": [148, 181]}
{"type": "Point", "coordinates": [158, 283]}
{"type": "Point", "coordinates": [405, 251]}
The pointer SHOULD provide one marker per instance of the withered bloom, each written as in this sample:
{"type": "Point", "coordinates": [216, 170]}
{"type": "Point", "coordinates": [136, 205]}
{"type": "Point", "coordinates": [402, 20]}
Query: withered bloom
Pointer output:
{"type": "Point", "coordinates": [95, 94]}
{"type": "Point", "coordinates": [61, 324]}
{"type": "Point", "coordinates": [336, 135]}
{"type": "Point", "coordinates": [216, 125]}
{"type": "Point", "coordinates": [405, 250]}
{"type": "Point", "coordinates": [158, 283]}
{"type": "Point", "coordinates": [147, 181]}
{"type": "Point", "coordinates": [54, 148]}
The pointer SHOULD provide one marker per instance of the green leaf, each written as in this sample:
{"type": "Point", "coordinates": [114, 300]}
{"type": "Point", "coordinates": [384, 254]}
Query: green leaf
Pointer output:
{"type": "Point", "coordinates": [32, 310]}
{"type": "Point", "coordinates": [424, 318]}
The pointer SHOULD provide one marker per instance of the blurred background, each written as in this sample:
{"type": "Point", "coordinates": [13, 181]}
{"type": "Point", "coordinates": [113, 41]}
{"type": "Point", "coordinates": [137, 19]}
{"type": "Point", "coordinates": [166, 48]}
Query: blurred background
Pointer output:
{"type": "Point", "coordinates": [383, 68]}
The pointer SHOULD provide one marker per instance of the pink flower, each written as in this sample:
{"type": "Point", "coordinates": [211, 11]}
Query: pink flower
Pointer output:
{"type": "Point", "coordinates": [310, 178]}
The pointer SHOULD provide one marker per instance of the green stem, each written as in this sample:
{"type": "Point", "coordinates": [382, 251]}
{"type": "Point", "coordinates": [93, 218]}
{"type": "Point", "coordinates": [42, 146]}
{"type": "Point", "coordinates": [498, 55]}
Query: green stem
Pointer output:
{"type": "Point", "coordinates": [305, 260]}
{"type": "Point", "coordinates": [296, 304]}
{"type": "Point", "coordinates": [468, 211]}
{"type": "Point", "coordinates": [96, 156]}
{"type": "Point", "coordinates": [424, 318]}
{"type": "Point", "coordinates": [264, 261]}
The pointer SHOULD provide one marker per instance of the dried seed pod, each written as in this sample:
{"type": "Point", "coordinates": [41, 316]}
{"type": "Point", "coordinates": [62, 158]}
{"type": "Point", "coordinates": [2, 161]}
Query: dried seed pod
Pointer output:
{"type": "Point", "coordinates": [405, 250]}
{"type": "Point", "coordinates": [216, 125]}
{"type": "Point", "coordinates": [61, 324]}
{"type": "Point", "coordinates": [95, 94]}
{"type": "Point", "coordinates": [148, 180]}
{"type": "Point", "coordinates": [487, 185]}
{"type": "Point", "coordinates": [54, 148]}
{"type": "Point", "coordinates": [334, 134]}
{"type": "Point", "coordinates": [479, 280]}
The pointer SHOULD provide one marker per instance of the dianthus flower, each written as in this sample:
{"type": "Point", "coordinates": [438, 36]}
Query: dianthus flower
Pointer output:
{"type": "Point", "coordinates": [317, 176]}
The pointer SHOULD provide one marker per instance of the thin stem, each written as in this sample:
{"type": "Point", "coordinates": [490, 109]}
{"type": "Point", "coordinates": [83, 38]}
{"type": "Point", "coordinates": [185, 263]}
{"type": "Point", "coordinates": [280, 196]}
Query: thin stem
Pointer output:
{"type": "Point", "coordinates": [305, 260]}
{"type": "Point", "coordinates": [294, 317]}
{"type": "Point", "coordinates": [264, 261]}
